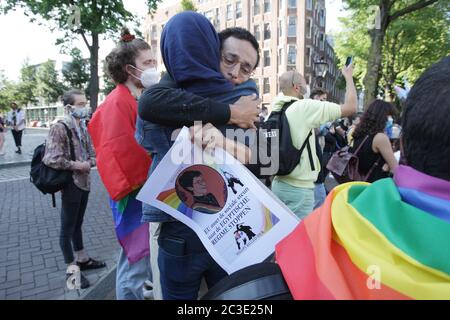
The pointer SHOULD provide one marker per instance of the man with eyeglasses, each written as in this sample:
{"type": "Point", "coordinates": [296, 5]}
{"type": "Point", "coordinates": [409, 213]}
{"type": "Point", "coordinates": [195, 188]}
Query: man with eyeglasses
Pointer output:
{"type": "Point", "coordinates": [169, 105]}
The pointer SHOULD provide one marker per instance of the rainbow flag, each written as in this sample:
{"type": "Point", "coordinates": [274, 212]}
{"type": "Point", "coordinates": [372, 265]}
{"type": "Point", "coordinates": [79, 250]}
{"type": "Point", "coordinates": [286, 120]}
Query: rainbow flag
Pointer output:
{"type": "Point", "coordinates": [388, 240]}
{"type": "Point", "coordinates": [133, 235]}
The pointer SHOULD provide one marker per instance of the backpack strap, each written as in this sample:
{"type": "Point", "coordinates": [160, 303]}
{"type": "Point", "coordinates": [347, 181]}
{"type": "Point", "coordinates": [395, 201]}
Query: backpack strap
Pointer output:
{"type": "Point", "coordinates": [72, 148]}
{"type": "Point", "coordinates": [361, 144]}
{"type": "Point", "coordinates": [53, 200]}
{"type": "Point", "coordinates": [287, 105]}
{"type": "Point", "coordinates": [307, 144]}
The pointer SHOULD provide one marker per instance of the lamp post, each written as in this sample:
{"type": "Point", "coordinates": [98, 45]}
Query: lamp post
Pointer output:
{"type": "Point", "coordinates": [320, 71]}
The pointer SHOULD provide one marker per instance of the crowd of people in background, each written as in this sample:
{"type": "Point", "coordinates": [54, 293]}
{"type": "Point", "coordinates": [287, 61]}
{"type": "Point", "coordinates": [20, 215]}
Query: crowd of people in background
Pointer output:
{"type": "Point", "coordinates": [208, 79]}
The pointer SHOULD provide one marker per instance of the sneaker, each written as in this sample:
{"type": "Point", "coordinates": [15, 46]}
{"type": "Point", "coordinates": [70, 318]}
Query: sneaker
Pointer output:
{"type": "Point", "coordinates": [148, 285]}
{"type": "Point", "coordinates": [148, 295]}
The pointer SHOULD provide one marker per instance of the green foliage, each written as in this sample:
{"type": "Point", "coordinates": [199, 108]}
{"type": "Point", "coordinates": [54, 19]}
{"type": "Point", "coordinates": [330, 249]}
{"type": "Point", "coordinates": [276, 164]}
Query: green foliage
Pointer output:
{"type": "Point", "coordinates": [188, 5]}
{"type": "Point", "coordinates": [27, 84]}
{"type": "Point", "coordinates": [48, 87]}
{"type": "Point", "coordinates": [76, 73]}
{"type": "Point", "coordinates": [96, 17]}
{"type": "Point", "coordinates": [412, 41]}
{"type": "Point", "coordinates": [8, 91]}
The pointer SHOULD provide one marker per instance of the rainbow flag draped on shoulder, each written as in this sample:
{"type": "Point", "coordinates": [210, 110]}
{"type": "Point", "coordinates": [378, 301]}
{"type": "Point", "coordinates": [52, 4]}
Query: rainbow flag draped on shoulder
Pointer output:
{"type": "Point", "coordinates": [387, 240]}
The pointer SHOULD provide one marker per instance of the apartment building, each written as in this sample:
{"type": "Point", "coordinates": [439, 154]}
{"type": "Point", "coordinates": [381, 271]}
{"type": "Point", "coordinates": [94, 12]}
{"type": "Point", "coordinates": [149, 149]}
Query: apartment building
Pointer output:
{"type": "Point", "coordinates": [291, 35]}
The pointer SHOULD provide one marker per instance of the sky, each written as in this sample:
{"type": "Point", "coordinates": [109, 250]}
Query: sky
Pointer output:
{"type": "Point", "coordinates": [22, 39]}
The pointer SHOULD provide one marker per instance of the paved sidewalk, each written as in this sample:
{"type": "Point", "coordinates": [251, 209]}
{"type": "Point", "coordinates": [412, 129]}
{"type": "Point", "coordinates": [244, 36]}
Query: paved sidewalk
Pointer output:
{"type": "Point", "coordinates": [31, 263]}
{"type": "Point", "coordinates": [31, 139]}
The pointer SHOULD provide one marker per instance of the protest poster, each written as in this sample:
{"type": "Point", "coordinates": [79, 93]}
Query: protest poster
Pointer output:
{"type": "Point", "coordinates": [238, 219]}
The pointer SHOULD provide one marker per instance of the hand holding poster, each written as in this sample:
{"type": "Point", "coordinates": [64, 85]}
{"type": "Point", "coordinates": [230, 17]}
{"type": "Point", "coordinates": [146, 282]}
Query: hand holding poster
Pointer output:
{"type": "Point", "coordinates": [238, 220]}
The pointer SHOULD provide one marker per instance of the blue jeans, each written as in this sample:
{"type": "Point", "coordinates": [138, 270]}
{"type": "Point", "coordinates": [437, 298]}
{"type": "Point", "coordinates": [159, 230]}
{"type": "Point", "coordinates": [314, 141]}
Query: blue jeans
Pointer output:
{"type": "Point", "coordinates": [183, 262]}
{"type": "Point", "coordinates": [299, 200]}
{"type": "Point", "coordinates": [130, 278]}
{"type": "Point", "coordinates": [319, 194]}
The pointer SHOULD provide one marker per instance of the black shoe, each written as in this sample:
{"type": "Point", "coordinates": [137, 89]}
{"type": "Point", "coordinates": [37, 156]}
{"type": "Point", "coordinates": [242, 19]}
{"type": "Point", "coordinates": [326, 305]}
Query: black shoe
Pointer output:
{"type": "Point", "coordinates": [18, 151]}
{"type": "Point", "coordinates": [84, 282]}
{"type": "Point", "coordinates": [91, 264]}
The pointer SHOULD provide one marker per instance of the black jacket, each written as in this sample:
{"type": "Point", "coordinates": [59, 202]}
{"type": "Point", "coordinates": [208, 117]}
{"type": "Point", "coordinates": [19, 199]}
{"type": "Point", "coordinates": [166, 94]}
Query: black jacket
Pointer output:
{"type": "Point", "coordinates": [166, 104]}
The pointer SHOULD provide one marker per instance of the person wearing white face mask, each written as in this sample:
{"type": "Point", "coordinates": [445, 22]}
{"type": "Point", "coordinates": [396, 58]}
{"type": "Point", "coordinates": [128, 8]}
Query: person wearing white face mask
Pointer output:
{"type": "Point", "coordinates": [296, 189]}
{"type": "Point", "coordinates": [122, 163]}
{"type": "Point", "coordinates": [63, 135]}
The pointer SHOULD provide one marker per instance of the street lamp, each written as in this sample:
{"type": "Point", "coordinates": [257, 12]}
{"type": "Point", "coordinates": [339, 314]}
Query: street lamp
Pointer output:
{"type": "Point", "coordinates": [320, 71]}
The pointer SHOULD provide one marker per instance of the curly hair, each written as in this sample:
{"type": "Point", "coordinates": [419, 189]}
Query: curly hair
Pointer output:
{"type": "Point", "coordinates": [426, 122]}
{"type": "Point", "coordinates": [373, 121]}
{"type": "Point", "coordinates": [125, 53]}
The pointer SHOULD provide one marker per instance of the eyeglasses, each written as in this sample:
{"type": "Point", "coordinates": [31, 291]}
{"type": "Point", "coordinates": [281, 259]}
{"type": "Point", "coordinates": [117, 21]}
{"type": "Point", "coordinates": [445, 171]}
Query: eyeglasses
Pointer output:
{"type": "Point", "coordinates": [230, 60]}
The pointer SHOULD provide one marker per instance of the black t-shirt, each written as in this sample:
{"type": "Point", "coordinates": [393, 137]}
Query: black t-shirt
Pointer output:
{"type": "Point", "coordinates": [367, 159]}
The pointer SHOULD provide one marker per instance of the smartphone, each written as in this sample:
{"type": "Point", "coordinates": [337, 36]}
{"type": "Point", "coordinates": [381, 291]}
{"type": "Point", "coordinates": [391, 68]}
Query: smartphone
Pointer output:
{"type": "Point", "coordinates": [348, 61]}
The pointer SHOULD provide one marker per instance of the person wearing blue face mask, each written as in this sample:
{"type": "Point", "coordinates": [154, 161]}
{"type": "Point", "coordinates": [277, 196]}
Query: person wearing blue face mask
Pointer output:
{"type": "Point", "coordinates": [74, 197]}
{"type": "Point", "coordinates": [389, 125]}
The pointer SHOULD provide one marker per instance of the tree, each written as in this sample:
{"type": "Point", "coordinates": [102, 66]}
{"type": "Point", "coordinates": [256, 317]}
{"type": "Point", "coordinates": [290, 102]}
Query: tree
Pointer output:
{"type": "Point", "coordinates": [411, 45]}
{"type": "Point", "coordinates": [27, 84]}
{"type": "Point", "coordinates": [76, 72]}
{"type": "Point", "coordinates": [48, 87]}
{"type": "Point", "coordinates": [389, 11]}
{"type": "Point", "coordinates": [187, 5]}
{"type": "Point", "coordinates": [86, 18]}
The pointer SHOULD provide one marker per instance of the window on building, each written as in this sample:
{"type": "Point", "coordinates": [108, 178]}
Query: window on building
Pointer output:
{"type": "Point", "coordinates": [308, 28]}
{"type": "Point", "coordinates": [292, 26]}
{"type": "Point", "coordinates": [322, 41]}
{"type": "Point", "coordinates": [308, 56]}
{"type": "Point", "coordinates": [322, 18]}
{"type": "Point", "coordinates": [229, 12]}
{"type": "Point", "coordinates": [280, 28]}
{"type": "Point", "coordinates": [256, 7]}
{"type": "Point", "coordinates": [266, 58]}
{"type": "Point", "coordinates": [238, 9]}
{"type": "Point", "coordinates": [257, 32]}
{"type": "Point", "coordinates": [280, 5]}
{"type": "Point", "coordinates": [267, 6]}
{"type": "Point", "coordinates": [266, 31]}
{"type": "Point", "coordinates": [217, 19]}
{"type": "Point", "coordinates": [309, 4]}
{"type": "Point", "coordinates": [280, 56]}
{"type": "Point", "coordinates": [266, 86]}
{"type": "Point", "coordinates": [292, 55]}
{"type": "Point", "coordinates": [292, 3]}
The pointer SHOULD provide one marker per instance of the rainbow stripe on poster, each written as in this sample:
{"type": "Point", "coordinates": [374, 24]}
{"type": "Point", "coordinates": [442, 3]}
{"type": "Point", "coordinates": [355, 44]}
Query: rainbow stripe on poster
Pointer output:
{"type": "Point", "coordinates": [269, 220]}
{"type": "Point", "coordinates": [170, 198]}
{"type": "Point", "coordinates": [395, 233]}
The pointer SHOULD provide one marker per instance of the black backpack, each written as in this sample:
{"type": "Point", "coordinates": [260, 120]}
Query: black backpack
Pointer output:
{"type": "Point", "coordinates": [46, 179]}
{"type": "Point", "coordinates": [261, 281]}
{"type": "Point", "coordinates": [276, 127]}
